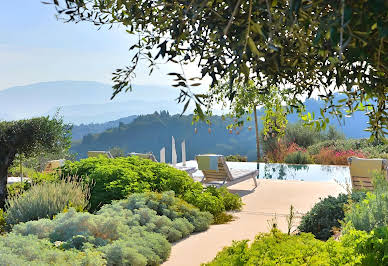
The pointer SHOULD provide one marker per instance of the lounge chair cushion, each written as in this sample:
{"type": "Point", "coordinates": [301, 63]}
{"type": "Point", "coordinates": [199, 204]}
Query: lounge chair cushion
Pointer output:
{"type": "Point", "coordinates": [208, 162]}
{"type": "Point", "coordinates": [365, 167]}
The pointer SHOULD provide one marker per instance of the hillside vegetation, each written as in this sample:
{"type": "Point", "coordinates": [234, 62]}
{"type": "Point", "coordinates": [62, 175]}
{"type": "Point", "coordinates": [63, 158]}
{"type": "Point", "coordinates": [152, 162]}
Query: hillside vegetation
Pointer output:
{"type": "Point", "coordinates": [78, 131]}
{"type": "Point", "coordinates": [150, 133]}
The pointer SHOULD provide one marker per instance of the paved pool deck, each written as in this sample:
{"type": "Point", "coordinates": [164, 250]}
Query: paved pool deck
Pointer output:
{"type": "Point", "coordinates": [272, 198]}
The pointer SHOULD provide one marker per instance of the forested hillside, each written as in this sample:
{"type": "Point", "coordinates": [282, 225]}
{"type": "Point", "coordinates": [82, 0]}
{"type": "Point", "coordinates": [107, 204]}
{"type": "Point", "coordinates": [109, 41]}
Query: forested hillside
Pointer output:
{"type": "Point", "coordinates": [149, 133]}
{"type": "Point", "coordinates": [84, 129]}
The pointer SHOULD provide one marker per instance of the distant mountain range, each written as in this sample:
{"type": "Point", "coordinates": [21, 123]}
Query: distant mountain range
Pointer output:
{"type": "Point", "coordinates": [78, 132]}
{"type": "Point", "coordinates": [84, 101]}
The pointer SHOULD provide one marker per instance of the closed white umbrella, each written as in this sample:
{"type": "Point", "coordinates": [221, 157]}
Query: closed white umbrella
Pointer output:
{"type": "Point", "coordinates": [173, 155]}
{"type": "Point", "coordinates": [183, 153]}
{"type": "Point", "coordinates": [163, 155]}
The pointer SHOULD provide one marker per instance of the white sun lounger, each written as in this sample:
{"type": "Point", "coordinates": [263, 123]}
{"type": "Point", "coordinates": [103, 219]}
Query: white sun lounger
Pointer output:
{"type": "Point", "coordinates": [222, 175]}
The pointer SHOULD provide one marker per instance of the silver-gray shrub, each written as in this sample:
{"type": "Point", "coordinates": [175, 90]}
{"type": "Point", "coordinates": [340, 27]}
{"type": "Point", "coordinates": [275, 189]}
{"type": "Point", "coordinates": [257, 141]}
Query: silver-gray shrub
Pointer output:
{"type": "Point", "coordinates": [134, 231]}
{"type": "Point", "coordinates": [164, 204]}
{"type": "Point", "coordinates": [46, 200]}
{"type": "Point", "coordinates": [29, 250]}
{"type": "Point", "coordinates": [106, 234]}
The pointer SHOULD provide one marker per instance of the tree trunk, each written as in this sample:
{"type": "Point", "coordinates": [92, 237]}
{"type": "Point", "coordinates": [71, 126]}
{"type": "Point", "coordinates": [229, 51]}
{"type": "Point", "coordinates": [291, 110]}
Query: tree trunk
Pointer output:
{"type": "Point", "coordinates": [257, 135]}
{"type": "Point", "coordinates": [6, 159]}
{"type": "Point", "coordinates": [3, 185]}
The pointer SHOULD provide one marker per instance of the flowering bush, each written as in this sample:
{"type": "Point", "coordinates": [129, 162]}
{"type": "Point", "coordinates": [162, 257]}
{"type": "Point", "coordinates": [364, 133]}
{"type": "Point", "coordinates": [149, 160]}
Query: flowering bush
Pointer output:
{"type": "Point", "coordinates": [329, 152]}
{"type": "Point", "coordinates": [372, 150]}
{"type": "Point", "coordinates": [330, 156]}
{"type": "Point", "coordinates": [278, 154]}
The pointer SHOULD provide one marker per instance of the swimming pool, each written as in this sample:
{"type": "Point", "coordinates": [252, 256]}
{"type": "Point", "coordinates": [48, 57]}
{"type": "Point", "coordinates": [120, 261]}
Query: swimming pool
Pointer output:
{"type": "Point", "coordinates": [302, 172]}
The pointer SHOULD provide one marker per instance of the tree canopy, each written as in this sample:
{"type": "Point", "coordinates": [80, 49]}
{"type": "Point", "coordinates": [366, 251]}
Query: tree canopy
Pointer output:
{"type": "Point", "coordinates": [303, 47]}
{"type": "Point", "coordinates": [29, 137]}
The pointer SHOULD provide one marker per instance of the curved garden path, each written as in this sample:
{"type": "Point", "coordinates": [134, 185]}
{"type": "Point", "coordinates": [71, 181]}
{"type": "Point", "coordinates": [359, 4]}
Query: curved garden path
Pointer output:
{"type": "Point", "coordinates": [269, 198]}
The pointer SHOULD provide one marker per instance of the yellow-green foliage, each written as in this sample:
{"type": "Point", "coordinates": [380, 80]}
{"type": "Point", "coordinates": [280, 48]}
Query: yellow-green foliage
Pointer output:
{"type": "Point", "coordinates": [371, 247]}
{"type": "Point", "coordinates": [2, 221]}
{"type": "Point", "coordinates": [276, 248]}
{"type": "Point", "coordinates": [45, 200]}
{"type": "Point", "coordinates": [17, 188]}
{"type": "Point", "coordinates": [117, 178]}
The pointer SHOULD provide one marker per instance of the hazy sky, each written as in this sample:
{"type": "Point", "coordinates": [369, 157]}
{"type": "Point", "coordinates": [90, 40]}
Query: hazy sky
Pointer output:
{"type": "Point", "coordinates": [35, 47]}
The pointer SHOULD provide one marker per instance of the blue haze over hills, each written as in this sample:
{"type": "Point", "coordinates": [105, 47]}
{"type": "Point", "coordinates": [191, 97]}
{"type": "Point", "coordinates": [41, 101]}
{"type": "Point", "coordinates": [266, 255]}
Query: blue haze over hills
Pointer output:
{"type": "Point", "coordinates": [86, 102]}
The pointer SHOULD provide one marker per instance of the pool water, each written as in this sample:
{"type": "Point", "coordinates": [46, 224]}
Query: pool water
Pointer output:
{"type": "Point", "coordinates": [302, 172]}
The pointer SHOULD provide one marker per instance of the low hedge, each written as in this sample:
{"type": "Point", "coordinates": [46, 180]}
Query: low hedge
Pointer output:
{"type": "Point", "coordinates": [276, 248]}
{"type": "Point", "coordinates": [134, 231]}
{"type": "Point", "coordinates": [115, 179]}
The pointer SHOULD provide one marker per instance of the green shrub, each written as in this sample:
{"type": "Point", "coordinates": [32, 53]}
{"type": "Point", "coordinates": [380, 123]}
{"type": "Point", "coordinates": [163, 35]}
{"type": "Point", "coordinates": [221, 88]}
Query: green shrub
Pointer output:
{"type": "Point", "coordinates": [14, 170]}
{"type": "Point", "coordinates": [236, 158]}
{"type": "Point", "coordinates": [29, 250]}
{"type": "Point", "coordinates": [117, 178]}
{"type": "Point", "coordinates": [38, 177]}
{"type": "Point", "coordinates": [325, 215]}
{"type": "Point", "coordinates": [298, 157]}
{"type": "Point", "coordinates": [223, 218]}
{"type": "Point", "coordinates": [216, 201]}
{"type": "Point", "coordinates": [372, 212]}
{"type": "Point", "coordinates": [205, 201]}
{"type": "Point", "coordinates": [2, 221]}
{"type": "Point", "coordinates": [17, 188]}
{"type": "Point", "coordinates": [164, 204]}
{"type": "Point", "coordinates": [276, 248]}
{"type": "Point", "coordinates": [134, 231]}
{"type": "Point", "coordinates": [372, 246]}
{"type": "Point", "coordinates": [301, 135]}
{"type": "Point", "coordinates": [230, 201]}
{"type": "Point", "coordinates": [45, 200]}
